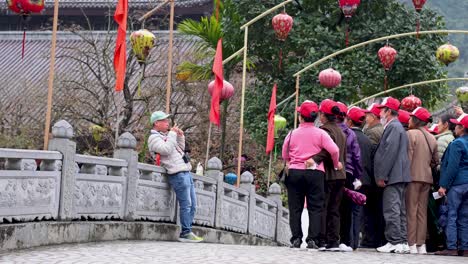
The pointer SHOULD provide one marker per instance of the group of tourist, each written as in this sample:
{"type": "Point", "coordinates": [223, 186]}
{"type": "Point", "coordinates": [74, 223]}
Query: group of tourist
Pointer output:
{"type": "Point", "coordinates": [394, 159]}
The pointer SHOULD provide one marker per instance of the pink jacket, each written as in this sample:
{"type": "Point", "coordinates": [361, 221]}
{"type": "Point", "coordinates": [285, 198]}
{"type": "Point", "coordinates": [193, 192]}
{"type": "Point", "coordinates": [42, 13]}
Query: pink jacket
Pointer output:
{"type": "Point", "coordinates": [306, 141]}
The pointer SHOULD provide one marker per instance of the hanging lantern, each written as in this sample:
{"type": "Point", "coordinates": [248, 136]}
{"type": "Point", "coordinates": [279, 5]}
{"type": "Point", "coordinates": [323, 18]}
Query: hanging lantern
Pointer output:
{"type": "Point", "coordinates": [462, 94]}
{"type": "Point", "coordinates": [447, 54]}
{"type": "Point", "coordinates": [349, 8]}
{"type": "Point", "coordinates": [387, 56]}
{"type": "Point", "coordinates": [280, 123]}
{"type": "Point", "coordinates": [25, 8]}
{"type": "Point", "coordinates": [227, 91]}
{"type": "Point", "coordinates": [282, 24]}
{"type": "Point", "coordinates": [418, 5]}
{"type": "Point", "coordinates": [330, 78]}
{"type": "Point", "coordinates": [142, 42]}
{"type": "Point", "coordinates": [410, 103]}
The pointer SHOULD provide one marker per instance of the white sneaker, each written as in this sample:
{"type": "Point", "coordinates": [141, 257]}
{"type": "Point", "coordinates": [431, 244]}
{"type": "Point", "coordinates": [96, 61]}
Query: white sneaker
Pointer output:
{"type": "Point", "coordinates": [413, 249]}
{"type": "Point", "coordinates": [387, 248]}
{"type": "Point", "coordinates": [345, 248]}
{"type": "Point", "coordinates": [402, 248]}
{"type": "Point", "coordinates": [422, 249]}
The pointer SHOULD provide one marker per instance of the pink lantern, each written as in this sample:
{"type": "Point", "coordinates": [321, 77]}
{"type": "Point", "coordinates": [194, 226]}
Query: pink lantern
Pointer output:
{"type": "Point", "coordinates": [227, 91]}
{"type": "Point", "coordinates": [330, 78]}
{"type": "Point", "coordinates": [282, 24]}
{"type": "Point", "coordinates": [410, 103]}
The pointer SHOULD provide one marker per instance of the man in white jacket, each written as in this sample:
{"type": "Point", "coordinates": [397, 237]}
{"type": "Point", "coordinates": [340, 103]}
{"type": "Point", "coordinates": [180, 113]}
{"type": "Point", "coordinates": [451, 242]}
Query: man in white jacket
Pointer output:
{"type": "Point", "coordinates": [169, 145]}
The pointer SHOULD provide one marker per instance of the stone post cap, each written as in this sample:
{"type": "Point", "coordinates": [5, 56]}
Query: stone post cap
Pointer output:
{"type": "Point", "coordinates": [246, 177]}
{"type": "Point", "coordinates": [275, 188]}
{"type": "Point", "coordinates": [62, 129]}
{"type": "Point", "coordinates": [214, 164]}
{"type": "Point", "coordinates": [126, 141]}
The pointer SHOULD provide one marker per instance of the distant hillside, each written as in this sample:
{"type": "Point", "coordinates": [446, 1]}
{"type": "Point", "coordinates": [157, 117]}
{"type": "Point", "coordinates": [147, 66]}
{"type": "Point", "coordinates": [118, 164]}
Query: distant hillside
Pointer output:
{"type": "Point", "coordinates": [455, 13]}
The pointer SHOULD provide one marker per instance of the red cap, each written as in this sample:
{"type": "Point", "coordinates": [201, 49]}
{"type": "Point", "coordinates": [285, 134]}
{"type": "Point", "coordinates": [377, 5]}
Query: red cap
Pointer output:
{"type": "Point", "coordinates": [403, 116]}
{"type": "Point", "coordinates": [434, 129]}
{"type": "Point", "coordinates": [422, 114]}
{"type": "Point", "coordinates": [343, 108]}
{"type": "Point", "coordinates": [306, 108]}
{"type": "Point", "coordinates": [462, 120]}
{"type": "Point", "coordinates": [373, 109]}
{"type": "Point", "coordinates": [326, 106]}
{"type": "Point", "coordinates": [356, 114]}
{"type": "Point", "coordinates": [391, 103]}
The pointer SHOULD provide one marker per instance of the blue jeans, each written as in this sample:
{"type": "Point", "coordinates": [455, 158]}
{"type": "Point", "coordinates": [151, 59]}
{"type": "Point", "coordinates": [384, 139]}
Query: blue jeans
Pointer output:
{"type": "Point", "coordinates": [182, 183]}
{"type": "Point", "coordinates": [457, 220]}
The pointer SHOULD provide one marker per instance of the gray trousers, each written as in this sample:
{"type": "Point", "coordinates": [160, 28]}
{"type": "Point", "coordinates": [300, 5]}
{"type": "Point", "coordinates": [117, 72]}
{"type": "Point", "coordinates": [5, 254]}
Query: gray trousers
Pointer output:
{"type": "Point", "coordinates": [394, 211]}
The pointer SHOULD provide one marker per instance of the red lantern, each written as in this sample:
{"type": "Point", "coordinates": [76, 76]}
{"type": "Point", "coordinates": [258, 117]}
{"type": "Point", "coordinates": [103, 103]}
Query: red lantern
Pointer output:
{"type": "Point", "coordinates": [25, 8]}
{"type": "Point", "coordinates": [349, 7]}
{"type": "Point", "coordinates": [227, 91]}
{"type": "Point", "coordinates": [330, 78]}
{"type": "Point", "coordinates": [419, 4]}
{"type": "Point", "coordinates": [282, 24]}
{"type": "Point", "coordinates": [387, 56]}
{"type": "Point", "coordinates": [410, 103]}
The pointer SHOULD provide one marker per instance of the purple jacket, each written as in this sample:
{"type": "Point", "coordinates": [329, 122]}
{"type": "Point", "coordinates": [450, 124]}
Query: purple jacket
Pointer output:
{"type": "Point", "coordinates": [353, 152]}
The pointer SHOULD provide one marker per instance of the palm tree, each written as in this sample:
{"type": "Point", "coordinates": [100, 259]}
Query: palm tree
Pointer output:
{"type": "Point", "coordinates": [209, 30]}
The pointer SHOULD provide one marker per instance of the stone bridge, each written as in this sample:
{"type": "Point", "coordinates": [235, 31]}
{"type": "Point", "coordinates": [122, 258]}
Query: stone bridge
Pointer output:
{"type": "Point", "coordinates": [59, 196]}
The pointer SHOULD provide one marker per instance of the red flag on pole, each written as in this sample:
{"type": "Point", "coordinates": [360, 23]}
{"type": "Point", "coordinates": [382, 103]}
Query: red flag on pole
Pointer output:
{"type": "Point", "coordinates": [120, 53]}
{"type": "Point", "coordinates": [271, 122]}
{"type": "Point", "coordinates": [218, 86]}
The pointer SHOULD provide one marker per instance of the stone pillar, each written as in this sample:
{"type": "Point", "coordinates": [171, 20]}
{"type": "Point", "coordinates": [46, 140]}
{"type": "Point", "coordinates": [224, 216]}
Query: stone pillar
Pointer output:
{"type": "Point", "coordinates": [62, 133]}
{"type": "Point", "coordinates": [126, 145]}
{"type": "Point", "coordinates": [246, 184]}
{"type": "Point", "coordinates": [213, 170]}
{"type": "Point", "coordinates": [274, 194]}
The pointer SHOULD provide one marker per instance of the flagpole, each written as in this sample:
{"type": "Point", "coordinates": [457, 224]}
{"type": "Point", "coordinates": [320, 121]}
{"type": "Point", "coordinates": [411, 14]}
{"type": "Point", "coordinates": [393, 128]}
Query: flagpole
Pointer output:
{"type": "Point", "coordinates": [51, 76]}
{"type": "Point", "coordinates": [208, 146]}
{"type": "Point", "coordinates": [169, 63]}
{"type": "Point", "coordinates": [241, 126]}
{"type": "Point", "coordinates": [297, 100]}
{"type": "Point", "coordinates": [269, 170]}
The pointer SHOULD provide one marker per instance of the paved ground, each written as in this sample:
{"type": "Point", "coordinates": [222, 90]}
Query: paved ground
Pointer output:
{"type": "Point", "coordinates": [174, 252]}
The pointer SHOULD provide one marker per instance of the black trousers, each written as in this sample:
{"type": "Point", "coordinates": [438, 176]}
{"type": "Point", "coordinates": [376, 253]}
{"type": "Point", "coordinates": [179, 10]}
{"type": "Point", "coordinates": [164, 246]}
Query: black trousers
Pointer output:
{"type": "Point", "coordinates": [373, 224]}
{"type": "Point", "coordinates": [330, 230]}
{"type": "Point", "coordinates": [346, 210]}
{"type": "Point", "coordinates": [302, 184]}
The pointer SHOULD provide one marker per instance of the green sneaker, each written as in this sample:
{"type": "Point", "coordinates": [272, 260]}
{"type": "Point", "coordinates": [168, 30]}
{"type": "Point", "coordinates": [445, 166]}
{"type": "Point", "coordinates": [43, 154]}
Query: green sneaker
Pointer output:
{"type": "Point", "coordinates": [190, 238]}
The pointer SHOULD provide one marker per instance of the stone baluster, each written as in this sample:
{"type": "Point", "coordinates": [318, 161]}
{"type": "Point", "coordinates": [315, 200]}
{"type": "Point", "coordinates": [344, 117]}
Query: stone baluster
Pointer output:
{"type": "Point", "coordinates": [246, 181]}
{"type": "Point", "coordinates": [126, 144]}
{"type": "Point", "coordinates": [274, 194]}
{"type": "Point", "coordinates": [62, 133]}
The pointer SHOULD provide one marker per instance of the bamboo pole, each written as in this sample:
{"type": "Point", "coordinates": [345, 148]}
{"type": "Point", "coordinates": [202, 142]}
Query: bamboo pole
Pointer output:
{"type": "Point", "coordinates": [297, 100]}
{"type": "Point", "coordinates": [50, 90]}
{"type": "Point", "coordinates": [152, 11]}
{"type": "Point", "coordinates": [241, 126]}
{"type": "Point", "coordinates": [208, 146]}
{"type": "Point", "coordinates": [265, 13]}
{"type": "Point", "coordinates": [285, 100]}
{"type": "Point", "coordinates": [269, 170]}
{"type": "Point", "coordinates": [169, 66]}
{"type": "Point", "coordinates": [408, 85]}
{"type": "Point", "coordinates": [377, 40]}
{"type": "Point", "coordinates": [237, 53]}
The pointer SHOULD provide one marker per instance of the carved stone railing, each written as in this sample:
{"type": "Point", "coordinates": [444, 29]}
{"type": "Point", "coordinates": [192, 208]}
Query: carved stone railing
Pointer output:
{"type": "Point", "coordinates": [155, 199]}
{"type": "Point", "coordinates": [27, 193]}
{"type": "Point", "coordinates": [70, 186]}
{"type": "Point", "coordinates": [100, 188]}
{"type": "Point", "coordinates": [205, 189]}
